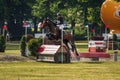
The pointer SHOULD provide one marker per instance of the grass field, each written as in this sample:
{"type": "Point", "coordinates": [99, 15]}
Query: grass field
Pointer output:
{"type": "Point", "coordinates": [33, 70]}
{"type": "Point", "coordinates": [82, 47]}
{"type": "Point", "coordinates": [52, 71]}
{"type": "Point", "coordinates": [13, 47]}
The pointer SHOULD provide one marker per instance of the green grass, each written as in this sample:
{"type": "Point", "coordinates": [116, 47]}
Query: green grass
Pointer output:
{"type": "Point", "coordinates": [107, 70]}
{"type": "Point", "coordinates": [12, 46]}
{"type": "Point", "coordinates": [82, 47]}
{"type": "Point", "coordinates": [52, 71]}
{"type": "Point", "coordinates": [12, 52]}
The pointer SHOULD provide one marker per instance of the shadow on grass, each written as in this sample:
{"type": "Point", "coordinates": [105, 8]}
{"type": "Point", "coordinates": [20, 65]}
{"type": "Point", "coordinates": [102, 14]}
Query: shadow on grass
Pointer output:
{"type": "Point", "coordinates": [94, 62]}
{"type": "Point", "coordinates": [50, 62]}
{"type": "Point", "coordinates": [82, 46]}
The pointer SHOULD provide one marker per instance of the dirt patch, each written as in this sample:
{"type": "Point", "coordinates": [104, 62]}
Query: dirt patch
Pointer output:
{"type": "Point", "coordinates": [12, 58]}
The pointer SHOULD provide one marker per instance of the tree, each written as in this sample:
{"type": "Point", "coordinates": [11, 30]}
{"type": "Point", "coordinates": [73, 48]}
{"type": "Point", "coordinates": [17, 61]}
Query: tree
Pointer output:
{"type": "Point", "coordinates": [14, 12]}
{"type": "Point", "coordinates": [41, 8]}
{"type": "Point", "coordinates": [23, 44]}
{"type": "Point", "coordinates": [2, 43]}
{"type": "Point", "coordinates": [81, 12]}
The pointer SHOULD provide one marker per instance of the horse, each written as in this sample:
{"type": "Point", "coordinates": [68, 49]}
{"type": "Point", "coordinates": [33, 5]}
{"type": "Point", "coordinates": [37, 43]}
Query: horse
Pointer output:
{"type": "Point", "coordinates": [50, 29]}
{"type": "Point", "coordinates": [53, 32]}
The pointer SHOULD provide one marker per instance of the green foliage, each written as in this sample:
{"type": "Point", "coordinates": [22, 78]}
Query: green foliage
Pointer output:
{"type": "Point", "coordinates": [2, 43]}
{"type": "Point", "coordinates": [41, 8]}
{"type": "Point", "coordinates": [13, 9]}
{"type": "Point", "coordinates": [23, 44]}
{"type": "Point", "coordinates": [14, 12]}
{"type": "Point", "coordinates": [81, 11]}
{"type": "Point", "coordinates": [80, 31]}
{"type": "Point", "coordinates": [33, 46]}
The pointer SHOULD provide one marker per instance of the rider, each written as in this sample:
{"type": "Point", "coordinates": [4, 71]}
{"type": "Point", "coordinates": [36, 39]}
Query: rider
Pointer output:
{"type": "Point", "coordinates": [60, 22]}
{"type": "Point", "coordinates": [59, 19]}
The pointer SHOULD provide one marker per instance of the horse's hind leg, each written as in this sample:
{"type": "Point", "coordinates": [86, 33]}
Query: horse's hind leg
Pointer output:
{"type": "Point", "coordinates": [72, 48]}
{"type": "Point", "coordinates": [69, 45]}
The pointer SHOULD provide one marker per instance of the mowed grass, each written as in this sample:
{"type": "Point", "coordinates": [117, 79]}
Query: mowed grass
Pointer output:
{"type": "Point", "coordinates": [12, 48]}
{"type": "Point", "coordinates": [53, 71]}
{"type": "Point", "coordinates": [82, 46]}
{"type": "Point", "coordinates": [107, 70]}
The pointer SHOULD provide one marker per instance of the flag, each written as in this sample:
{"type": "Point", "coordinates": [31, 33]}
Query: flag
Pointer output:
{"type": "Point", "coordinates": [25, 24]}
{"type": "Point", "coordinates": [107, 26]}
{"type": "Point", "coordinates": [93, 30]}
{"type": "Point", "coordinates": [5, 27]}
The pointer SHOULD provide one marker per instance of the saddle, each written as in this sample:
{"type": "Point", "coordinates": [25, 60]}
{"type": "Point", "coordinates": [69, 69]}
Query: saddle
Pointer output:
{"type": "Point", "coordinates": [51, 35]}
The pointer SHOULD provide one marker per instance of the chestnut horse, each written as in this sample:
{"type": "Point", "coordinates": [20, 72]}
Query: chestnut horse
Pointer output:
{"type": "Point", "coordinates": [54, 32]}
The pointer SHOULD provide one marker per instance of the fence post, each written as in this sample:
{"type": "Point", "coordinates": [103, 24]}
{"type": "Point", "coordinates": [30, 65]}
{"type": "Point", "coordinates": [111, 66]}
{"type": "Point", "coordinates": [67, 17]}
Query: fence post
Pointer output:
{"type": "Point", "coordinates": [115, 55]}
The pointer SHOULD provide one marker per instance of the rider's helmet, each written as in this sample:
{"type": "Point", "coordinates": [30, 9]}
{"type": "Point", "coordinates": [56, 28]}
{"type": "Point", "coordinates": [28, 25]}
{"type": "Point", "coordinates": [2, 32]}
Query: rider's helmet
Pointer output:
{"type": "Point", "coordinates": [58, 14]}
{"type": "Point", "coordinates": [59, 18]}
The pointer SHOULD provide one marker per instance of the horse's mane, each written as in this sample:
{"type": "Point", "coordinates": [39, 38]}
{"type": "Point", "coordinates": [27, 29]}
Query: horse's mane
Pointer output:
{"type": "Point", "coordinates": [52, 22]}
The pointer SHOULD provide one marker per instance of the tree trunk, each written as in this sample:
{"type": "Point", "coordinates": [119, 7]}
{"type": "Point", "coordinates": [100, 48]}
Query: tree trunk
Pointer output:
{"type": "Point", "coordinates": [35, 25]}
{"type": "Point", "coordinates": [73, 33]}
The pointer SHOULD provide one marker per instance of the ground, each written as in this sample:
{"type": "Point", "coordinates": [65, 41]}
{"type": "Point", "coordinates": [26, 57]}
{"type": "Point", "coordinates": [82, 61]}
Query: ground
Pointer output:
{"type": "Point", "coordinates": [11, 58]}
{"type": "Point", "coordinates": [13, 66]}
{"type": "Point", "coordinates": [15, 58]}
{"type": "Point", "coordinates": [12, 52]}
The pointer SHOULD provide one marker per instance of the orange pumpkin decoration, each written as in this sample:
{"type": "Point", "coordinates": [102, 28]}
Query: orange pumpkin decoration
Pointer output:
{"type": "Point", "coordinates": [110, 15]}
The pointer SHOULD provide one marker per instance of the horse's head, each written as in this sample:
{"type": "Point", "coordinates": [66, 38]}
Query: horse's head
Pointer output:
{"type": "Point", "coordinates": [49, 27]}
{"type": "Point", "coordinates": [47, 23]}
